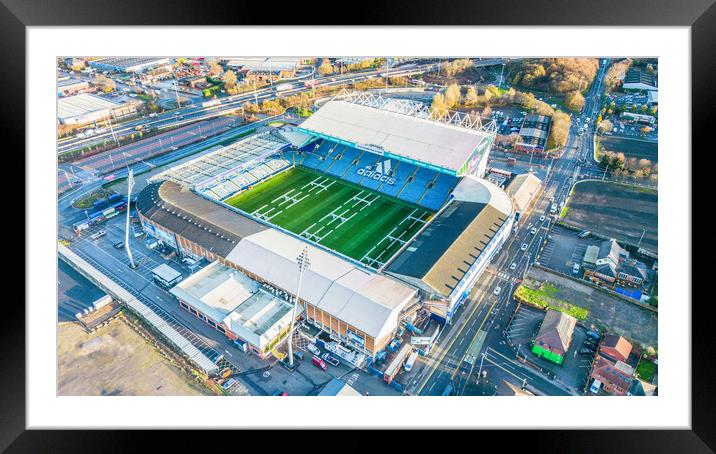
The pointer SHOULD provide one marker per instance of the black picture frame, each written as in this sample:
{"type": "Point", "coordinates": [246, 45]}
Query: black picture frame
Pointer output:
{"type": "Point", "coordinates": [16, 15]}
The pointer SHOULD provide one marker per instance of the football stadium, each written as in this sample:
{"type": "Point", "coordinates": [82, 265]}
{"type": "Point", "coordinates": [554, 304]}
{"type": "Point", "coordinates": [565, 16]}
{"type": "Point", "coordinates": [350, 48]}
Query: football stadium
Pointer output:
{"type": "Point", "coordinates": [385, 195]}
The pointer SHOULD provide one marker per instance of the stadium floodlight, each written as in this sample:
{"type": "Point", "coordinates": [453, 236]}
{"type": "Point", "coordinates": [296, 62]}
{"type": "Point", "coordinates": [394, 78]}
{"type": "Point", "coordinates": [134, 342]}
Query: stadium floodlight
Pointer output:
{"type": "Point", "coordinates": [130, 185]}
{"type": "Point", "coordinates": [303, 264]}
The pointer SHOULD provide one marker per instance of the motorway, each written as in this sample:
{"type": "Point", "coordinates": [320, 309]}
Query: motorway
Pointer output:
{"type": "Point", "coordinates": [478, 327]}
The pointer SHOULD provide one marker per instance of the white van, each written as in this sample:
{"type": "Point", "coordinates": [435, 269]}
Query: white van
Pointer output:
{"type": "Point", "coordinates": [575, 268]}
{"type": "Point", "coordinates": [596, 384]}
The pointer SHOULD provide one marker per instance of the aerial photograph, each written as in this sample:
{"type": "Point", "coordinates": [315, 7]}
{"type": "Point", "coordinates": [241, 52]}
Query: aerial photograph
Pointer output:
{"type": "Point", "coordinates": [357, 226]}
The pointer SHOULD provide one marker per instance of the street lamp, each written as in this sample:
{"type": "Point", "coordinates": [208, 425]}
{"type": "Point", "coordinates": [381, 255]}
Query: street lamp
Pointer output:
{"type": "Point", "coordinates": [303, 264]}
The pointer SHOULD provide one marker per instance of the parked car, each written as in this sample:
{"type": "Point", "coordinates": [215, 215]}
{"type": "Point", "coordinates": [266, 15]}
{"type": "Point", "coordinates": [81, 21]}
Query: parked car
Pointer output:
{"type": "Point", "coordinates": [313, 349]}
{"type": "Point", "coordinates": [497, 291]}
{"type": "Point", "coordinates": [585, 351]}
{"type": "Point", "coordinates": [594, 335]}
{"type": "Point", "coordinates": [330, 359]}
{"type": "Point", "coordinates": [298, 355]}
{"type": "Point", "coordinates": [119, 245]}
{"type": "Point", "coordinates": [591, 347]}
{"type": "Point", "coordinates": [596, 384]}
{"type": "Point", "coordinates": [319, 363]}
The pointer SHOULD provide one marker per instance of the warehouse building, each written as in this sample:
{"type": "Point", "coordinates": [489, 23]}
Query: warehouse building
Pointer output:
{"type": "Point", "coordinates": [129, 64]}
{"type": "Point", "coordinates": [264, 68]}
{"type": "Point", "coordinates": [638, 79]}
{"type": "Point", "coordinates": [69, 86]}
{"type": "Point", "coordinates": [237, 306]}
{"type": "Point", "coordinates": [85, 109]}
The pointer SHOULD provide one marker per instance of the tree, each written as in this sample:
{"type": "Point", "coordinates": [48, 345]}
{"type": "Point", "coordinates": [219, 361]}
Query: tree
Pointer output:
{"type": "Point", "coordinates": [230, 79]}
{"type": "Point", "coordinates": [471, 97]}
{"type": "Point", "coordinates": [105, 83]}
{"type": "Point", "coordinates": [486, 112]}
{"type": "Point", "coordinates": [646, 130]}
{"type": "Point", "coordinates": [215, 68]}
{"type": "Point", "coordinates": [439, 106]}
{"type": "Point", "coordinates": [574, 101]}
{"type": "Point", "coordinates": [605, 126]}
{"type": "Point", "coordinates": [452, 96]}
{"type": "Point", "coordinates": [326, 68]}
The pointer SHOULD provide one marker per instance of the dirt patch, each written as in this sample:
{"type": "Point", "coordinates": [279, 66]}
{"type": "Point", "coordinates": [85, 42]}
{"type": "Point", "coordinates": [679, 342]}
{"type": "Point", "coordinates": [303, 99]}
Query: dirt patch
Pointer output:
{"type": "Point", "coordinates": [615, 211]}
{"type": "Point", "coordinates": [639, 149]}
{"type": "Point", "coordinates": [115, 360]}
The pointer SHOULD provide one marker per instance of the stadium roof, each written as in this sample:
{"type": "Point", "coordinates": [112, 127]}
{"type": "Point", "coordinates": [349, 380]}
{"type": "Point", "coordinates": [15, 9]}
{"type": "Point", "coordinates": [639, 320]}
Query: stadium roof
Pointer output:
{"type": "Point", "coordinates": [402, 129]}
{"type": "Point", "coordinates": [213, 226]}
{"type": "Point", "coordinates": [224, 161]}
{"type": "Point", "coordinates": [522, 188]}
{"type": "Point", "coordinates": [74, 106]}
{"type": "Point", "coordinates": [440, 256]}
{"type": "Point", "coordinates": [368, 301]}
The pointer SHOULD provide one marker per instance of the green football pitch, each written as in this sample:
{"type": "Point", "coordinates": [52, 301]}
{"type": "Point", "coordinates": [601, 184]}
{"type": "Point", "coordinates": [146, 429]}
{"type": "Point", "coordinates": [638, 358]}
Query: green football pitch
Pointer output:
{"type": "Point", "coordinates": [347, 218]}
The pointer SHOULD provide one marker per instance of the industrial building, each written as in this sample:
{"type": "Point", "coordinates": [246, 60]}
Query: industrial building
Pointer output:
{"type": "Point", "coordinates": [264, 67]}
{"type": "Point", "coordinates": [638, 79]}
{"type": "Point", "coordinates": [534, 133]}
{"type": "Point", "coordinates": [128, 64]}
{"type": "Point", "coordinates": [237, 306]}
{"type": "Point", "coordinates": [69, 86]}
{"type": "Point", "coordinates": [85, 109]}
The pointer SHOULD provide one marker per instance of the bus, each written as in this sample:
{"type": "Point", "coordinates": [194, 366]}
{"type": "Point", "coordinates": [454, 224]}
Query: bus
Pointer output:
{"type": "Point", "coordinates": [283, 87]}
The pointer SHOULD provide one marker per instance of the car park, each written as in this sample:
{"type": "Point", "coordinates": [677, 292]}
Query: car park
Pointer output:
{"type": "Point", "coordinates": [497, 291]}
{"type": "Point", "coordinates": [524, 247]}
{"type": "Point", "coordinates": [313, 349]}
{"type": "Point", "coordinates": [330, 359]}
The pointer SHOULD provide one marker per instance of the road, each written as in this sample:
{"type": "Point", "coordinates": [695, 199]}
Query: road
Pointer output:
{"type": "Point", "coordinates": [188, 114]}
{"type": "Point", "coordinates": [489, 313]}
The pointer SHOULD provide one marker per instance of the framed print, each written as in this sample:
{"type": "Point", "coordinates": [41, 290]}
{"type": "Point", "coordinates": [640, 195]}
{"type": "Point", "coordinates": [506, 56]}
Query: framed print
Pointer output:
{"type": "Point", "coordinates": [395, 226]}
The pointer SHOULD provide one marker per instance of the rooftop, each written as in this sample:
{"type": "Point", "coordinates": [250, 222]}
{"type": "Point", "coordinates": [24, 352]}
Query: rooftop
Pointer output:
{"type": "Point", "coordinates": [403, 129]}
{"type": "Point", "coordinates": [522, 188]}
{"type": "Point", "coordinates": [229, 296]}
{"type": "Point", "coordinates": [73, 106]}
{"type": "Point", "coordinates": [443, 252]}
{"type": "Point", "coordinates": [166, 272]}
{"type": "Point", "coordinates": [338, 387]}
{"type": "Point", "coordinates": [130, 62]}
{"type": "Point", "coordinates": [638, 76]}
{"type": "Point", "coordinates": [556, 331]}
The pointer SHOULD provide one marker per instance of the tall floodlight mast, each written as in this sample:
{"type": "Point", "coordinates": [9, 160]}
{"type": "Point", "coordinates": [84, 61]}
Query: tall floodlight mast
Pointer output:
{"type": "Point", "coordinates": [303, 264]}
{"type": "Point", "coordinates": [130, 185]}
